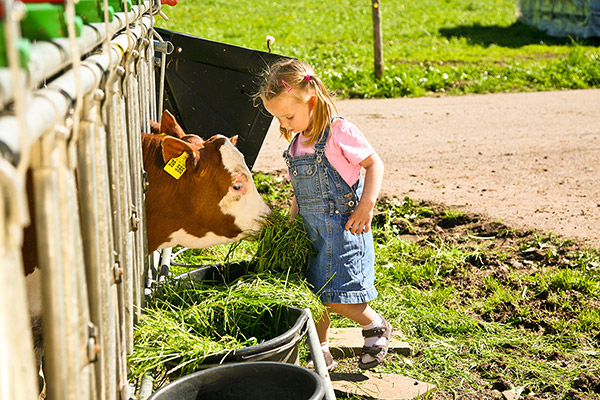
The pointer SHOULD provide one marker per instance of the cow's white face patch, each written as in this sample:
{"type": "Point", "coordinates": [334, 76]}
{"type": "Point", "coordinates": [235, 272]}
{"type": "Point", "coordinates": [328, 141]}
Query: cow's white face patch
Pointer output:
{"type": "Point", "coordinates": [183, 238]}
{"type": "Point", "coordinates": [242, 200]}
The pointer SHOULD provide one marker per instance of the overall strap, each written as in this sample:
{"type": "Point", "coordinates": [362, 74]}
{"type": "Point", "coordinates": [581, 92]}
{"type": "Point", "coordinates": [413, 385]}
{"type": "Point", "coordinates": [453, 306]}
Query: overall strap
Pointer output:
{"type": "Point", "coordinates": [320, 145]}
{"type": "Point", "coordinates": [286, 153]}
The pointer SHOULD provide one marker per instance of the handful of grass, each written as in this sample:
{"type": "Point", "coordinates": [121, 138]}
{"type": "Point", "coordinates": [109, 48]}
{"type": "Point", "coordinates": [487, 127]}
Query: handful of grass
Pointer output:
{"type": "Point", "coordinates": [188, 320]}
{"type": "Point", "coordinates": [282, 245]}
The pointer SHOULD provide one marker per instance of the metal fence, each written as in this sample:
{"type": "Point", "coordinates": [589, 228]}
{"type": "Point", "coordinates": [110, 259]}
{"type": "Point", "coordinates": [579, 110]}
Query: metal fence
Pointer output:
{"type": "Point", "coordinates": [72, 117]}
{"type": "Point", "coordinates": [562, 18]}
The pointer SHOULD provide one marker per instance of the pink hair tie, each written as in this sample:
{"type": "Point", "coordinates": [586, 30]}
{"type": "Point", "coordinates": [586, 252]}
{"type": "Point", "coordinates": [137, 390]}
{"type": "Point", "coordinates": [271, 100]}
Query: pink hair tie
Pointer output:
{"type": "Point", "coordinates": [287, 85]}
{"type": "Point", "coordinates": [307, 77]}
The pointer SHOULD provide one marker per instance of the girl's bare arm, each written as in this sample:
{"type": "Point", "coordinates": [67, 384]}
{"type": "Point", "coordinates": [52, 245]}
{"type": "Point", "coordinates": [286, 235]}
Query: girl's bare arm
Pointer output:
{"type": "Point", "coordinates": [360, 220]}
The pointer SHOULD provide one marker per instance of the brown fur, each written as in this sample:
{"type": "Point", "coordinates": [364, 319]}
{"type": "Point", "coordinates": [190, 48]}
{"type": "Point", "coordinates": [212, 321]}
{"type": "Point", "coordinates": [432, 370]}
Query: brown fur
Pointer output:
{"type": "Point", "coordinates": [190, 202]}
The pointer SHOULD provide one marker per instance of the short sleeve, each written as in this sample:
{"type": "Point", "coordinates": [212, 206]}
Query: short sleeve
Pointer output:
{"type": "Point", "coordinates": [351, 142]}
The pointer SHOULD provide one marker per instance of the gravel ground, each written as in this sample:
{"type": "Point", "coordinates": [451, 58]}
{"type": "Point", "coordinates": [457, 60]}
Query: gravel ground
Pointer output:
{"type": "Point", "coordinates": [530, 160]}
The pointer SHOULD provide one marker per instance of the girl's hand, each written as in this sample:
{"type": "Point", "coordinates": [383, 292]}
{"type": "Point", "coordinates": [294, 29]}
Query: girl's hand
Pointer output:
{"type": "Point", "coordinates": [360, 219]}
{"type": "Point", "coordinates": [293, 209]}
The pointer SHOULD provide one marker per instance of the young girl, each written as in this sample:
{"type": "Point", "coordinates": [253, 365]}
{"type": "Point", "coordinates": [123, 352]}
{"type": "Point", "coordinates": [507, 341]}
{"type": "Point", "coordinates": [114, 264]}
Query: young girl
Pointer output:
{"type": "Point", "coordinates": [324, 159]}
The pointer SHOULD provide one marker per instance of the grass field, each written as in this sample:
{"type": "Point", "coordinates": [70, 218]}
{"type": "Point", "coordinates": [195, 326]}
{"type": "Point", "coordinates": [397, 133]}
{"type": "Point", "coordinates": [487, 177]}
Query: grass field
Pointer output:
{"type": "Point", "coordinates": [430, 46]}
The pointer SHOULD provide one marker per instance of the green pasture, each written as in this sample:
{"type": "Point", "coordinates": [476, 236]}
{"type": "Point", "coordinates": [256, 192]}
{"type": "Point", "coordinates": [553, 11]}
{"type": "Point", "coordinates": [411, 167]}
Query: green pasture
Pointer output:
{"type": "Point", "coordinates": [430, 46]}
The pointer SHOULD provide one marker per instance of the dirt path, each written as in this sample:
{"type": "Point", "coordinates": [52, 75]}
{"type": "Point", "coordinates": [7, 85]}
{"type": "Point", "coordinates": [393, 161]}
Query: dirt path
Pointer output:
{"type": "Point", "coordinates": [530, 160]}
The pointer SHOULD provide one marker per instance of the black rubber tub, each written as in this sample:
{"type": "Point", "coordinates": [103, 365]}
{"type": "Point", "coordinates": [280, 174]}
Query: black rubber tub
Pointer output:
{"type": "Point", "coordinates": [218, 274]}
{"type": "Point", "coordinates": [246, 381]}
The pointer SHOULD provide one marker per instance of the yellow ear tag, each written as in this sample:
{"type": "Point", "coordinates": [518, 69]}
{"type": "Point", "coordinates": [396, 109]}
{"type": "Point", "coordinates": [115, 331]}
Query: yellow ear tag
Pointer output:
{"type": "Point", "coordinates": [176, 166]}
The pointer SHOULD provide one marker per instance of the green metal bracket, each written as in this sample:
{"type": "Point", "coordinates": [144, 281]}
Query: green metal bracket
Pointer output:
{"type": "Point", "coordinates": [45, 21]}
{"type": "Point", "coordinates": [93, 11]}
{"type": "Point", "coordinates": [119, 5]}
{"type": "Point", "coordinates": [23, 48]}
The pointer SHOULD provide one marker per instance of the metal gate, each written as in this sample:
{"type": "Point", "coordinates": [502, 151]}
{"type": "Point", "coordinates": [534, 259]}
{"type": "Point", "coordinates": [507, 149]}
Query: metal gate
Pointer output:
{"type": "Point", "coordinates": [71, 113]}
{"type": "Point", "coordinates": [562, 18]}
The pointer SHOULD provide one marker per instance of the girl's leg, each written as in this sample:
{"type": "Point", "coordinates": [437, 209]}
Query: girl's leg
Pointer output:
{"type": "Point", "coordinates": [361, 313]}
{"type": "Point", "coordinates": [322, 326]}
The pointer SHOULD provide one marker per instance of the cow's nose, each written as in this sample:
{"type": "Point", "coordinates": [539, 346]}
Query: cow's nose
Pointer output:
{"type": "Point", "coordinates": [266, 211]}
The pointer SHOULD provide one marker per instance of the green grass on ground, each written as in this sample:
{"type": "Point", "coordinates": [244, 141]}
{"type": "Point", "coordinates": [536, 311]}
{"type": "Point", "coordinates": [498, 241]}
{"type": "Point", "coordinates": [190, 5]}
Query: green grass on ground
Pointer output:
{"type": "Point", "coordinates": [430, 46]}
{"type": "Point", "coordinates": [486, 308]}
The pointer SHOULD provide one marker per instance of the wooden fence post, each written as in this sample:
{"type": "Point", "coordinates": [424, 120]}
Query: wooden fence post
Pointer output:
{"type": "Point", "coordinates": [377, 39]}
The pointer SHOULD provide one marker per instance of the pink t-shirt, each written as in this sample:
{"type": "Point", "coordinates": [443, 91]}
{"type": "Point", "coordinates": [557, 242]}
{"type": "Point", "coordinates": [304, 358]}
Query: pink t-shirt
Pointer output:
{"type": "Point", "coordinates": [345, 149]}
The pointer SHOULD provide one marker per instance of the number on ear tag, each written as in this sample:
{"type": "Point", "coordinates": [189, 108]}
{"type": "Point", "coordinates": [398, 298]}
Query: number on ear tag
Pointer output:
{"type": "Point", "coordinates": [176, 166]}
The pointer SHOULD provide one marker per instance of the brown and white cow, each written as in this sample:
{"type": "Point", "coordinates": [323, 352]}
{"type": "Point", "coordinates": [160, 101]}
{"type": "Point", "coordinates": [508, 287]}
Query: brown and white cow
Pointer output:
{"type": "Point", "coordinates": [214, 201]}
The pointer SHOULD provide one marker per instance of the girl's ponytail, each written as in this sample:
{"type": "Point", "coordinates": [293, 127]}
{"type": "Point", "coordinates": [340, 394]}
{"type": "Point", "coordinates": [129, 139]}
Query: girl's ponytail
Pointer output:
{"type": "Point", "coordinates": [323, 110]}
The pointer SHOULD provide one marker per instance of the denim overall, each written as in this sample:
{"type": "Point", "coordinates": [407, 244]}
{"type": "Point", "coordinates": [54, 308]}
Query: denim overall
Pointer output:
{"type": "Point", "coordinates": [342, 271]}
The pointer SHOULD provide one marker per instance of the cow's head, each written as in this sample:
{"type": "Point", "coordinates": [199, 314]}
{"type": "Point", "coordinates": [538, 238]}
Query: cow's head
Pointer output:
{"type": "Point", "coordinates": [206, 196]}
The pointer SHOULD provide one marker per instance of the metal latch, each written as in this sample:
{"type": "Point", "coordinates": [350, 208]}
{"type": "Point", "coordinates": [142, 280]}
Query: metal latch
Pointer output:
{"type": "Point", "coordinates": [135, 220]}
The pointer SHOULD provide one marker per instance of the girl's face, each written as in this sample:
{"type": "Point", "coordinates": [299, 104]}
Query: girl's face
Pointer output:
{"type": "Point", "coordinates": [293, 114]}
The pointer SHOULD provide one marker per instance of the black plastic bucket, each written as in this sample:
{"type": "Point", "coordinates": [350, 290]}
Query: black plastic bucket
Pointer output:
{"type": "Point", "coordinates": [283, 348]}
{"type": "Point", "coordinates": [246, 381]}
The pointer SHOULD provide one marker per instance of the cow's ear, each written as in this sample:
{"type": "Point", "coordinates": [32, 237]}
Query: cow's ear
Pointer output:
{"type": "Point", "coordinates": [234, 140]}
{"type": "Point", "coordinates": [173, 148]}
{"type": "Point", "coordinates": [154, 127]}
{"type": "Point", "coordinates": [169, 125]}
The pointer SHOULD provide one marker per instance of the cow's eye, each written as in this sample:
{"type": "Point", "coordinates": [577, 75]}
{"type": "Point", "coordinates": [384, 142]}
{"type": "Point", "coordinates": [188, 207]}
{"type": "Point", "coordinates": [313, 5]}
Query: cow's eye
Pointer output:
{"type": "Point", "coordinates": [237, 186]}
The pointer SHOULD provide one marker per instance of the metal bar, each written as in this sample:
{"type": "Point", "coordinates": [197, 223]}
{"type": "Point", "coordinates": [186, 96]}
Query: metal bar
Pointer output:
{"type": "Point", "coordinates": [135, 167]}
{"type": "Point", "coordinates": [17, 371]}
{"type": "Point", "coordinates": [119, 200]}
{"type": "Point", "coordinates": [317, 357]}
{"type": "Point", "coordinates": [123, 252]}
{"type": "Point", "coordinates": [14, 13]}
{"type": "Point", "coordinates": [119, 129]}
{"type": "Point", "coordinates": [49, 57]}
{"type": "Point", "coordinates": [70, 240]}
{"type": "Point", "coordinates": [98, 234]}
{"type": "Point", "coordinates": [152, 81]}
{"type": "Point", "coordinates": [112, 133]}
{"type": "Point", "coordinates": [46, 186]}
{"type": "Point", "coordinates": [161, 83]}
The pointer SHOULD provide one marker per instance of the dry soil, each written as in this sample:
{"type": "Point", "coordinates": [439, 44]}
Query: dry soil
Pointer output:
{"type": "Point", "coordinates": [529, 160]}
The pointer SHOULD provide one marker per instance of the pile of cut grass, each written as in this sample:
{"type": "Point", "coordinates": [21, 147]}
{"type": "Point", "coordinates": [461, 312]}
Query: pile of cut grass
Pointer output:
{"type": "Point", "coordinates": [187, 320]}
{"type": "Point", "coordinates": [282, 245]}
